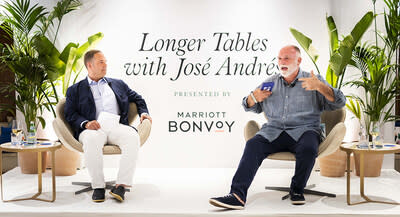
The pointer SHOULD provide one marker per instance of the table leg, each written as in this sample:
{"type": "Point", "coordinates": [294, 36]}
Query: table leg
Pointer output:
{"type": "Point", "coordinates": [39, 167]}
{"type": "Point", "coordinates": [53, 178]}
{"type": "Point", "coordinates": [39, 172]}
{"type": "Point", "coordinates": [348, 177]}
{"type": "Point", "coordinates": [34, 197]}
{"type": "Point", "coordinates": [53, 173]}
{"type": "Point", "coordinates": [362, 185]}
{"type": "Point", "coordinates": [362, 174]}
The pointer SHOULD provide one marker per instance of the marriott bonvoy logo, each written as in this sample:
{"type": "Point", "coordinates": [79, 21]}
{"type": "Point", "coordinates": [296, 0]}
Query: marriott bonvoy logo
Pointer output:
{"type": "Point", "coordinates": [205, 122]}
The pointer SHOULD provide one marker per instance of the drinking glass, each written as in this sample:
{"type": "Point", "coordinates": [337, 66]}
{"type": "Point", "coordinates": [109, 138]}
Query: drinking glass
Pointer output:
{"type": "Point", "coordinates": [377, 137]}
{"type": "Point", "coordinates": [16, 133]}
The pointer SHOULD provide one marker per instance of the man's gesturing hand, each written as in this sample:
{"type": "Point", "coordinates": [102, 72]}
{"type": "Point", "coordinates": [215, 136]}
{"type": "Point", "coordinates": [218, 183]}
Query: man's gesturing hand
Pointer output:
{"type": "Point", "coordinates": [311, 83]}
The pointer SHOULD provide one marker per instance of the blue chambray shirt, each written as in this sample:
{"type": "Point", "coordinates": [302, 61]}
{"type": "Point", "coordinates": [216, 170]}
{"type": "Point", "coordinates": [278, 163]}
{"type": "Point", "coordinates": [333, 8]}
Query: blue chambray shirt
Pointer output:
{"type": "Point", "coordinates": [104, 97]}
{"type": "Point", "coordinates": [293, 109]}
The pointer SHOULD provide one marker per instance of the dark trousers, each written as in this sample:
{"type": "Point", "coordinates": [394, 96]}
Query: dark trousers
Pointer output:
{"type": "Point", "coordinates": [258, 148]}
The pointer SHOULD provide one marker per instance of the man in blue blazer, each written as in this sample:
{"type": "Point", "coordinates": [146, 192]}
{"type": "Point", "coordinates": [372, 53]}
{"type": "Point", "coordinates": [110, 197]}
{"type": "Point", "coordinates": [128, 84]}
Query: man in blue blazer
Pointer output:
{"type": "Point", "coordinates": [97, 96]}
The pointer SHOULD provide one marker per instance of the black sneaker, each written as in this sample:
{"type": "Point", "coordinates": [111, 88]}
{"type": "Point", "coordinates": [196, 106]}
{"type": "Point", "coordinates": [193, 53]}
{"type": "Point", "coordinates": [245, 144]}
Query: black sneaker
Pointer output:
{"type": "Point", "coordinates": [118, 193]}
{"type": "Point", "coordinates": [98, 195]}
{"type": "Point", "coordinates": [229, 201]}
{"type": "Point", "coordinates": [297, 199]}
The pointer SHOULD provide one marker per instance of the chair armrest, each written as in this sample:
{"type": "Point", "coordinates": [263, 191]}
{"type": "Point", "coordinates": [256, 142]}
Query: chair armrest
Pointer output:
{"type": "Point", "coordinates": [251, 129]}
{"type": "Point", "coordinates": [144, 130]}
{"type": "Point", "coordinates": [333, 140]}
{"type": "Point", "coordinates": [65, 136]}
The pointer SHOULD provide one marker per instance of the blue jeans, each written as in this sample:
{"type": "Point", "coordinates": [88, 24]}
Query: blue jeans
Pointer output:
{"type": "Point", "coordinates": [258, 148]}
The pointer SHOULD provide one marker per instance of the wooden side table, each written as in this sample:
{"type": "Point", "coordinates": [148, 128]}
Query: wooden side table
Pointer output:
{"type": "Point", "coordinates": [352, 147]}
{"type": "Point", "coordinates": [32, 148]}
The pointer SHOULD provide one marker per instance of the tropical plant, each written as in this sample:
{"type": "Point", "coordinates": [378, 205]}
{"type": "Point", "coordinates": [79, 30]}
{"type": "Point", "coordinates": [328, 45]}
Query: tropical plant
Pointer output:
{"type": "Point", "coordinates": [33, 57]}
{"type": "Point", "coordinates": [340, 50]}
{"type": "Point", "coordinates": [67, 64]}
{"type": "Point", "coordinates": [379, 83]}
{"type": "Point", "coordinates": [378, 78]}
{"type": "Point", "coordinates": [19, 21]}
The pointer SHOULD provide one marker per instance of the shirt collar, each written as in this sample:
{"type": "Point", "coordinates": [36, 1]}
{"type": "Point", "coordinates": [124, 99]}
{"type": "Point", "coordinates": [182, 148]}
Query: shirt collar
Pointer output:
{"type": "Point", "coordinates": [299, 75]}
{"type": "Point", "coordinates": [91, 82]}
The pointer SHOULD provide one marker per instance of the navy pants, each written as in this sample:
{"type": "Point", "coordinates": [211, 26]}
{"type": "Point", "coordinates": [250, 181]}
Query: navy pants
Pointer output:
{"type": "Point", "coordinates": [258, 148]}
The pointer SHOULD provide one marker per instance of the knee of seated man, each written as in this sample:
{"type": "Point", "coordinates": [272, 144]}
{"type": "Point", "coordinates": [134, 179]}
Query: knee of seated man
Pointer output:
{"type": "Point", "coordinates": [310, 150]}
{"type": "Point", "coordinates": [90, 136]}
{"type": "Point", "coordinates": [251, 147]}
{"type": "Point", "coordinates": [130, 138]}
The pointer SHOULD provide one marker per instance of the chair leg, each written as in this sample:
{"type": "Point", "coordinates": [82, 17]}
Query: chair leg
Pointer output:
{"type": "Point", "coordinates": [109, 185]}
{"type": "Point", "coordinates": [83, 190]}
{"type": "Point", "coordinates": [306, 191]}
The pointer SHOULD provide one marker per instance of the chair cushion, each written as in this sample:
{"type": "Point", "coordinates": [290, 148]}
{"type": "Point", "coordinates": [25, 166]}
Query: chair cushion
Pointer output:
{"type": "Point", "coordinates": [109, 149]}
{"type": "Point", "coordinates": [282, 156]}
{"type": "Point", "coordinates": [5, 135]}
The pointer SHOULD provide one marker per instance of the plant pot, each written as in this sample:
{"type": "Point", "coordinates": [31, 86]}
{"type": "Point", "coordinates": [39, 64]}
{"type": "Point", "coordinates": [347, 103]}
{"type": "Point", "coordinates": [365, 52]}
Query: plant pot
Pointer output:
{"type": "Point", "coordinates": [333, 165]}
{"type": "Point", "coordinates": [372, 164]}
{"type": "Point", "coordinates": [28, 162]}
{"type": "Point", "coordinates": [66, 161]}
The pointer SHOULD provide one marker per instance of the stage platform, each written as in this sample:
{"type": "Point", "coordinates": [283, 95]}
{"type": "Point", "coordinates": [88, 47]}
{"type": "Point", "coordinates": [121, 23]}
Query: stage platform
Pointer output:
{"type": "Point", "coordinates": [185, 192]}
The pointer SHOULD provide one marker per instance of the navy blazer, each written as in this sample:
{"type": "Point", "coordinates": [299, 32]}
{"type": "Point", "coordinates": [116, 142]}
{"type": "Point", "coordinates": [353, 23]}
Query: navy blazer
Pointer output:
{"type": "Point", "coordinates": [80, 106]}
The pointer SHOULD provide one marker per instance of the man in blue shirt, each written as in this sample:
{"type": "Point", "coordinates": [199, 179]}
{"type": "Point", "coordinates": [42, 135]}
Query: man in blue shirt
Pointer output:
{"type": "Point", "coordinates": [293, 108]}
{"type": "Point", "coordinates": [109, 98]}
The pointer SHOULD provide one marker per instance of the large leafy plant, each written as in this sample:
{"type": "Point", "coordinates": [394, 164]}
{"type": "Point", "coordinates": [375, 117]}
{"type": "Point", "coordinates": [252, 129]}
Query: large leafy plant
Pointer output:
{"type": "Point", "coordinates": [340, 50]}
{"type": "Point", "coordinates": [37, 64]}
{"type": "Point", "coordinates": [378, 79]}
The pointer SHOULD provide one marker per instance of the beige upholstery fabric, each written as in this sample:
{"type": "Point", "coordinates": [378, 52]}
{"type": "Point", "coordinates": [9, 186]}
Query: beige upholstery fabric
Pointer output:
{"type": "Point", "coordinates": [335, 131]}
{"type": "Point", "coordinates": [65, 133]}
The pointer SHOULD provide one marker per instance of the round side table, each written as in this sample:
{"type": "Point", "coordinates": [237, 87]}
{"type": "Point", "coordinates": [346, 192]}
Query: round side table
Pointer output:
{"type": "Point", "coordinates": [33, 148]}
{"type": "Point", "coordinates": [354, 148]}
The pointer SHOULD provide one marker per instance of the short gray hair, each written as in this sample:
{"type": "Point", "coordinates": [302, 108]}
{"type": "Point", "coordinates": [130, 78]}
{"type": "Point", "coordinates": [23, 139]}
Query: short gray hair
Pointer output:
{"type": "Point", "coordinates": [89, 56]}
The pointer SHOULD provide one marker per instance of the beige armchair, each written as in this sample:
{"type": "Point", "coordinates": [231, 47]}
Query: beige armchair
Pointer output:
{"type": "Point", "coordinates": [335, 131]}
{"type": "Point", "coordinates": [65, 135]}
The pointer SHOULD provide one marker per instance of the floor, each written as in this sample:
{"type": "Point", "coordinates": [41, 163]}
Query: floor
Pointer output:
{"type": "Point", "coordinates": [185, 192]}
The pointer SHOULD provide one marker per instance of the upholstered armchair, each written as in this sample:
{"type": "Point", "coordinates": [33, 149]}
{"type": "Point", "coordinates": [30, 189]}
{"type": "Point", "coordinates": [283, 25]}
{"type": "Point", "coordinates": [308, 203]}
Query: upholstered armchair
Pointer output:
{"type": "Point", "coordinates": [65, 135]}
{"type": "Point", "coordinates": [335, 132]}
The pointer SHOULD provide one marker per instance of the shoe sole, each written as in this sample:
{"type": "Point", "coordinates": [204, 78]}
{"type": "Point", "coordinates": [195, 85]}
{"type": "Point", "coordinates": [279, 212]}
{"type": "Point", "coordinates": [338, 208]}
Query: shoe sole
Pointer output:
{"type": "Point", "coordinates": [298, 202]}
{"type": "Point", "coordinates": [116, 196]}
{"type": "Point", "coordinates": [98, 201]}
{"type": "Point", "coordinates": [224, 205]}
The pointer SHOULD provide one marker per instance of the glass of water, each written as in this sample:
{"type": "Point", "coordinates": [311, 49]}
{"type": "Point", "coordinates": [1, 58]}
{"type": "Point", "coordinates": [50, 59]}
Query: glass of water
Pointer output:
{"type": "Point", "coordinates": [16, 133]}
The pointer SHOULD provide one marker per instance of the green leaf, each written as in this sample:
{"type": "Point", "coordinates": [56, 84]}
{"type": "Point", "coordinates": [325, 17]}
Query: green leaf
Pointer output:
{"type": "Point", "coordinates": [68, 69]}
{"type": "Point", "coordinates": [42, 121]}
{"type": "Point", "coordinates": [354, 107]}
{"type": "Point", "coordinates": [306, 43]}
{"type": "Point", "coordinates": [331, 77]}
{"type": "Point", "coordinates": [65, 53]}
{"type": "Point", "coordinates": [49, 55]}
{"type": "Point", "coordinates": [93, 40]}
{"type": "Point", "coordinates": [333, 34]}
{"type": "Point", "coordinates": [362, 26]}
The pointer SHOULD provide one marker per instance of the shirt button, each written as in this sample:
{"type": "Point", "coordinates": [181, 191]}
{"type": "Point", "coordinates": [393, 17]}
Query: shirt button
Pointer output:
{"type": "Point", "coordinates": [286, 96]}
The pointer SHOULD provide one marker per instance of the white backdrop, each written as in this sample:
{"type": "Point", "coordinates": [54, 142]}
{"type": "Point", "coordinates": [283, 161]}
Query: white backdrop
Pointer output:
{"type": "Point", "coordinates": [124, 23]}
